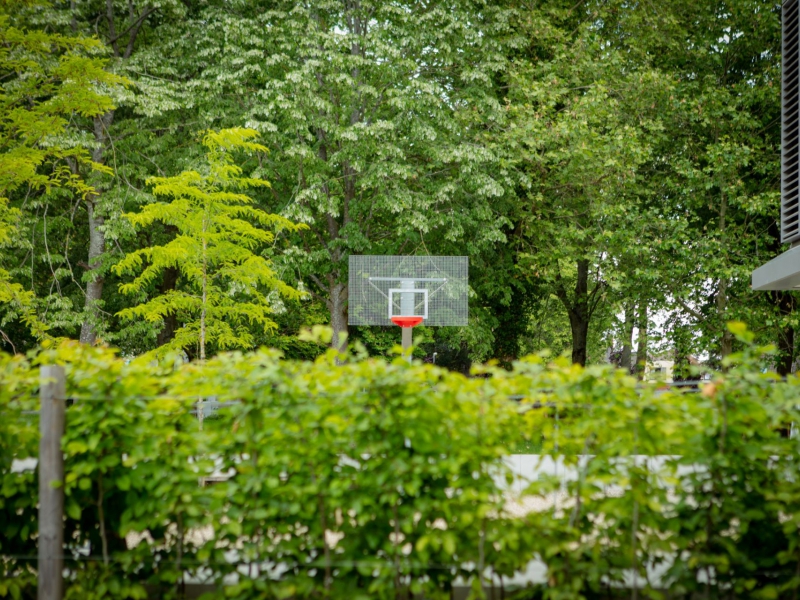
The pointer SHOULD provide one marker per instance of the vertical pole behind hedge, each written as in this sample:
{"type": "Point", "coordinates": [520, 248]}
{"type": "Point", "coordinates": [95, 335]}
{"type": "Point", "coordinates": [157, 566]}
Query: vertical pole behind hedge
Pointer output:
{"type": "Point", "coordinates": [52, 393]}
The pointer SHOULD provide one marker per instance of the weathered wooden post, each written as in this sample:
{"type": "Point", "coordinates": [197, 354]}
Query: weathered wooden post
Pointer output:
{"type": "Point", "coordinates": [52, 393]}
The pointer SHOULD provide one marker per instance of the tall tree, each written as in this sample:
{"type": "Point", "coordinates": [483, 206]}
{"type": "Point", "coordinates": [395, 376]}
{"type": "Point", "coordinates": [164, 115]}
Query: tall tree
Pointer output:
{"type": "Point", "coordinates": [697, 86]}
{"type": "Point", "coordinates": [229, 286]}
{"type": "Point", "coordinates": [722, 185]}
{"type": "Point", "coordinates": [581, 133]}
{"type": "Point", "coordinates": [121, 24]}
{"type": "Point", "coordinates": [48, 79]}
{"type": "Point", "coordinates": [376, 113]}
{"type": "Point", "coordinates": [152, 125]}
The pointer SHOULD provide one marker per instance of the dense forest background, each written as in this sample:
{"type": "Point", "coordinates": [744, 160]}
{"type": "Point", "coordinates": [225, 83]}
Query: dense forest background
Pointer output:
{"type": "Point", "coordinates": [611, 168]}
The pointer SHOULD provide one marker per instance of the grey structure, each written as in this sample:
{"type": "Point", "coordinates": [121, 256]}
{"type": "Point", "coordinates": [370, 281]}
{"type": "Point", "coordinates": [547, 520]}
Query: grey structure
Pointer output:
{"type": "Point", "coordinates": [783, 272]}
{"type": "Point", "coordinates": [432, 287]}
{"type": "Point", "coordinates": [790, 122]}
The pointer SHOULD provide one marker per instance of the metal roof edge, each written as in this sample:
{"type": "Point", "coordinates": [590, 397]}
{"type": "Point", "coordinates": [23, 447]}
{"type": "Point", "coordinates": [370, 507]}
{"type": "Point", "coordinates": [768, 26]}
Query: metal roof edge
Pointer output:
{"type": "Point", "coordinates": [781, 273]}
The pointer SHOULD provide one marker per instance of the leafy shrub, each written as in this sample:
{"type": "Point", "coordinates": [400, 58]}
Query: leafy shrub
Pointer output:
{"type": "Point", "coordinates": [18, 488]}
{"type": "Point", "coordinates": [360, 478]}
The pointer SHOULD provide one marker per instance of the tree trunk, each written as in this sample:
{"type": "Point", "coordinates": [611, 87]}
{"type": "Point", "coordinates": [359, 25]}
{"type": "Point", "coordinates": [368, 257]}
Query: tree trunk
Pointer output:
{"type": "Point", "coordinates": [641, 345]}
{"type": "Point", "coordinates": [726, 341]}
{"type": "Point", "coordinates": [97, 240]}
{"type": "Point", "coordinates": [94, 288]}
{"type": "Point", "coordinates": [579, 310]}
{"type": "Point", "coordinates": [580, 334]}
{"type": "Point", "coordinates": [681, 369]}
{"type": "Point", "coordinates": [786, 349]}
{"type": "Point", "coordinates": [786, 303]}
{"type": "Point", "coordinates": [627, 343]}
{"type": "Point", "coordinates": [337, 305]}
{"type": "Point", "coordinates": [101, 125]}
{"type": "Point", "coordinates": [579, 314]}
{"type": "Point", "coordinates": [337, 292]}
{"type": "Point", "coordinates": [170, 326]}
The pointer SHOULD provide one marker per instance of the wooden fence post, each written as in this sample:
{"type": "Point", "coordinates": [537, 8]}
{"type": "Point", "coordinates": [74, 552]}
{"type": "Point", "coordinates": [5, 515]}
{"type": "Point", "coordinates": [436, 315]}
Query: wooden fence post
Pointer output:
{"type": "Point", "coordinates": [52, 393]}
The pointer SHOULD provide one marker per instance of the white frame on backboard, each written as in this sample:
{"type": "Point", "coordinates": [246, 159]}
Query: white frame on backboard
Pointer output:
{"type": "Point", "coordinates": [424, 293]}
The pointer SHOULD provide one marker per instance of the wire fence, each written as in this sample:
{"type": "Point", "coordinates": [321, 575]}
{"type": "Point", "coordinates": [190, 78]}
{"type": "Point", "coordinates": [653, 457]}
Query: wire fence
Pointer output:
{"type": "Point", "coordinates": [211, 405]}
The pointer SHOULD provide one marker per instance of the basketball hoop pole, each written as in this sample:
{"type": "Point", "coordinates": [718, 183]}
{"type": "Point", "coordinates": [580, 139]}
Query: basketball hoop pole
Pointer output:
{"type": "Point", "coordinates": [407, 308]}
{"type": "Point", "coordinates": [407, 338]}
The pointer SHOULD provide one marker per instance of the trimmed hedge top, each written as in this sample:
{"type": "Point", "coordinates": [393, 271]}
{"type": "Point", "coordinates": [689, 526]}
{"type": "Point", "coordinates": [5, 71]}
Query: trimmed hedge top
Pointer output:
{"type": "Point", "coordinates": [361, 478]}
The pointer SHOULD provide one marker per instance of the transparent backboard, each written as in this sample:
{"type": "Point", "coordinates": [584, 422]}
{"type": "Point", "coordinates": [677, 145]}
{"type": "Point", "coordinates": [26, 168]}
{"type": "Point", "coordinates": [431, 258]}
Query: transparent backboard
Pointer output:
{"type": "Point", "coordinates": [432, 287]}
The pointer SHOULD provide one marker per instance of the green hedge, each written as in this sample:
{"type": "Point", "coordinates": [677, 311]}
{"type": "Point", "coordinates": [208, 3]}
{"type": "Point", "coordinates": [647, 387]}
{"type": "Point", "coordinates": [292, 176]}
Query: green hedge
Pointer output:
{"type": "Point", "coordinates": [358, 478]}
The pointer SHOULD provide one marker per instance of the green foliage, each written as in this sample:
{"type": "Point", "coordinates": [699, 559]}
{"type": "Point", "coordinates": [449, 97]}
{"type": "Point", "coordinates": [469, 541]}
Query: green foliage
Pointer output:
{"type": "Point", "coordinates": [229, 286]}
{"type": "Point", "coordinates": [379, 472]}
{"type": "Point", "coordinates": [589, 158]}
{"type": "Point", "coordinates": [19, 438]}
{"type": "Point", "coordinates": [380, 112]}
{"type": "Point", "coordinates": [722, 121]}
{"type": "Point", "coordinates": [582, 130]}
{"type": "Point", "coordinates": [370, 478]}
{"type": "Point", "coordinates": [47, 80]}
{"type": "Point", "coordinates": [113, 486]}
{"type": "Point", "coordinates": [692, 487]}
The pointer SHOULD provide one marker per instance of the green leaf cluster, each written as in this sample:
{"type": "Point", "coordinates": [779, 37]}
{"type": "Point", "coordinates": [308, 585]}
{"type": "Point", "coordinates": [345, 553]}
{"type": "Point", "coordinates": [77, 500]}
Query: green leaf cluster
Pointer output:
{"type": "Point", "coordinates": [368, 478]}
{"type": "Point", "coordinates": [48, 79]}
{"type": "Point", "coordinates": [600, 163]}
{"type": "Point", "coordinates": [220, 248]}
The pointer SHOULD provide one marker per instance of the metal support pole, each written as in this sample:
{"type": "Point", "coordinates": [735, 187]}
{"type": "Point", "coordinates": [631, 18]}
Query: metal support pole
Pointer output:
{"type": "Point", "coordinates": [407, 339]}
{"type": "Point", "coordinates": [52, 393]}
{"type": "Point", "coordinates": [407, 298]}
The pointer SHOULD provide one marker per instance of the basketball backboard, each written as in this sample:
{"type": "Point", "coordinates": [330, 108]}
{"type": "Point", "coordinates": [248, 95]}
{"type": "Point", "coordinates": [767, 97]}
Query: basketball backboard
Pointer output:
{"type": "Point", "coordinates": [408, 290]}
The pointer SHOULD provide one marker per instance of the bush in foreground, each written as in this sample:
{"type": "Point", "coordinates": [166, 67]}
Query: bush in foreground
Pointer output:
{"type": "Point", "coordinates": [359, 478]}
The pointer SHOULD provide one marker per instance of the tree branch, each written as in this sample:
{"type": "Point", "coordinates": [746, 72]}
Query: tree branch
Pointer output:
{"type": "Point", "coordinates": [319, 283]}
{"type": "Point", "coordinates": [112, 31]}
{"type": "Point", "coordinates": [689, 309]}
{"type": "Point", "coordinates": [134, 29]}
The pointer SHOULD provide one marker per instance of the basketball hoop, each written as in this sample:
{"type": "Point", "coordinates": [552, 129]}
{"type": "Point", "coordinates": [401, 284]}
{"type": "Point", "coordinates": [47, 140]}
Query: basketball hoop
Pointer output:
{"type": "Point", "coordinates": [408, 291]}
{"type": "Point", "coordinates": [407, 321]}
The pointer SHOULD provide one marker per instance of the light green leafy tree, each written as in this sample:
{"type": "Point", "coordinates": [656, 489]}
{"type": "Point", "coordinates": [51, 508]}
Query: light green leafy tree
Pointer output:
{"type": "Point", "coordinates": [121, 29]}
{"type": "Point", "coordinates": [47, 80]}
{"type": "Point", "coordinates": [227, 287]}
{"type": "Point", "coordinates": [149, 131]}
